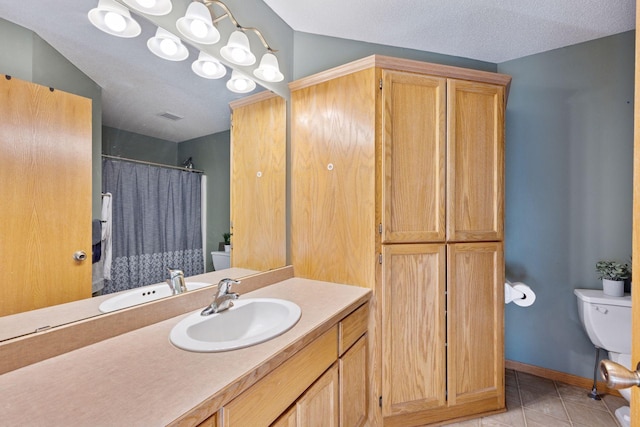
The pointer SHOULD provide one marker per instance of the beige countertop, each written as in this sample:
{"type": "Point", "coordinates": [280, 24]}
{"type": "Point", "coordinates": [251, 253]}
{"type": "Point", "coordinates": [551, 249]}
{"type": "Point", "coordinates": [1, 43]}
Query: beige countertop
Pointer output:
{"type": "Point", "coordinates": [141, 379]}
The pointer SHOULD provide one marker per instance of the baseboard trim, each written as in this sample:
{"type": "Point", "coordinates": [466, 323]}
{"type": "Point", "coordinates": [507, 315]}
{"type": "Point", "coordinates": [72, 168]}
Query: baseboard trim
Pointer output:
{"type": "Point", "coordinates": [563, 377]}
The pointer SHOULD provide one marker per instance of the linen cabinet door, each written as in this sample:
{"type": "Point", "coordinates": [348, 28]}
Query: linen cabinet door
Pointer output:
{"type": "Point", "coordinates": [413, 328]}
{"type": "Point", "coordinates": [414, 158]}
{"type": "Point", "coordinates": [333, 179]}
{"type": "Point", "coordinates": [475, 293]}
{"type": "Point", "coordinates": [475, 161]}
{"type": "Point", "coordinates": [258, 180]}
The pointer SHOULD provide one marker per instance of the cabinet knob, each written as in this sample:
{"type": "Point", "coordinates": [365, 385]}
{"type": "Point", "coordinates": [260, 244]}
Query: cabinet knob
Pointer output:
{"type": "Point", "coordinates": [79, 256]}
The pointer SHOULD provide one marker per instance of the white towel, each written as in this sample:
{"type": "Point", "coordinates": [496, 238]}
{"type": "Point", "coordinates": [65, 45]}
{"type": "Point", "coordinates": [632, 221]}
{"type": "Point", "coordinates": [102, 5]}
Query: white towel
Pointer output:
{"type": "Point", "coordinates": [106, 234]}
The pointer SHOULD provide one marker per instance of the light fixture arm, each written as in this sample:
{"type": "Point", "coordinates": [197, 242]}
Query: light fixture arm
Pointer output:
{"type": "Point", "coordinates": [229, 15]}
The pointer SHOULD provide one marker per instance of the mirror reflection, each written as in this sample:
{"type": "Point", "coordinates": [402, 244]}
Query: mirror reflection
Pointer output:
{"type": "Point", "coordinates": [51, 53]}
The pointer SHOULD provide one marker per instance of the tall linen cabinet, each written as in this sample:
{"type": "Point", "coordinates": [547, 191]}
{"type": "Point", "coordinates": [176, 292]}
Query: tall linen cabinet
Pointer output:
{"type": "Point", "coordinates": [397, 185]}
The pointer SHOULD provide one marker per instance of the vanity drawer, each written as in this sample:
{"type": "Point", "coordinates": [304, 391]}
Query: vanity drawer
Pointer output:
{"type": "Point", "coordinates": [352, 327]}
{"type": "Point", "coordinates": [272, 395]}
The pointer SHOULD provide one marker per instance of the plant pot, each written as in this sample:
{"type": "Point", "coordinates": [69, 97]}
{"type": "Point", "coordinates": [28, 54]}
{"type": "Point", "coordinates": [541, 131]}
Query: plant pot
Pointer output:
{"type": "Point", "coordinates": [227, 248]}
{"type": "Point", "coordinates": [613, 288]}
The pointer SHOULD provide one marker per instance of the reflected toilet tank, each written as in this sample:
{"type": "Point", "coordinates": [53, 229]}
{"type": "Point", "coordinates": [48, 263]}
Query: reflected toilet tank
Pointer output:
{"type": "Point", "coordinates": [221, 260]}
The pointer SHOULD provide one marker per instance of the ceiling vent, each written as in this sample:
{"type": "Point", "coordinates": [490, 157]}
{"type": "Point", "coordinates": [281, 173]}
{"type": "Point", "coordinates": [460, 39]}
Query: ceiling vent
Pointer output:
{"type": "Point", "coordinates": [171, 116]}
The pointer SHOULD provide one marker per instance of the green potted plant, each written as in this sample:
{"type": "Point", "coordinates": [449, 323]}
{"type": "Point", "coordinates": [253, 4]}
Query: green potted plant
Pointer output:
{"type": "Point", "coordinates": [227, 241]}
{"type": "Point", "coordinates": [613, 275]}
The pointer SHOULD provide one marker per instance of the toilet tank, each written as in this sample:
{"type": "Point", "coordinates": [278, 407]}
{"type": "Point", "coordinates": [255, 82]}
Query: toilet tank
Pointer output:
{"type": "Point", "coordinates": [606, 319]}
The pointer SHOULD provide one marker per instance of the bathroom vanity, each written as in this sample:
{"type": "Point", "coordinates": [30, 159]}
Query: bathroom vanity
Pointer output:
{"type": "Point", "coordinates": [140, 378]}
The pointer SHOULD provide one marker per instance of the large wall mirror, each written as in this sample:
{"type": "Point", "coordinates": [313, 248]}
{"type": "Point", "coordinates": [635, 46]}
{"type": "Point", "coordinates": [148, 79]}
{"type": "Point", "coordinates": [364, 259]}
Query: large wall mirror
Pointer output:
{"type": "Point", "coordinates": [55, 45]}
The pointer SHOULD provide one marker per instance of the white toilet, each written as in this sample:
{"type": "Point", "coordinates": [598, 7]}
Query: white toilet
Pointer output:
{"type": "Point", "coordinates": [607, 321]}
{"type": "Point", "coordinates": [221, 260]}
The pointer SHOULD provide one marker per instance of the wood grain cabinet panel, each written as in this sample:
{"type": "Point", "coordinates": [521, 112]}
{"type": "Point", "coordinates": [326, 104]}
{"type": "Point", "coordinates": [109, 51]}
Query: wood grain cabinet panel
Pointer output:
{"type": "Point", "coordinates": [353, 385]}
{"type": "Point", "coordinates": [318, 406]}
{"type": "Point", "coordinates": [414, 157]}
{"type": "Point", "coordinates": [413, 328]}
{"type": "Point", "coordinates": [475, 165]}
{"type": "Point", "coordinates": [258, 181]}
{"type": "Point", "coordinates": [333, 179]}
{"type": "Point", "coordinates": [475, 323]}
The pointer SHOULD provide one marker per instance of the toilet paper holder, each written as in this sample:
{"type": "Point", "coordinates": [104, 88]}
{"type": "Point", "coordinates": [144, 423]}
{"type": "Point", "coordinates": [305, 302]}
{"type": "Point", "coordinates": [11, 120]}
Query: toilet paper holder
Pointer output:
{"type": "Point", "coordinates": [519, 294]}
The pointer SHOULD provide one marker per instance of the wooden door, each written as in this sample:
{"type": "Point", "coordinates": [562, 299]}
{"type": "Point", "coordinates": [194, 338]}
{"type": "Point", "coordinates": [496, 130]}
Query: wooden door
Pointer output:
{"type": "Point", "coordinates": [475, 161]}
{"type": "Point", "coordinates": [318, 406]}
{"type": "Point", "coordinates": [258, 183]}
{"type": "Point", "coordinates": [413, 328]}
{"type": "Point", "coordinates": [45, 193]}
{"type": "Point", "coordinates": [333, 224]}
{"type": "Point", "coordinates": [475, 325]}
{"type": "Point", "coordinates": [413, 196]}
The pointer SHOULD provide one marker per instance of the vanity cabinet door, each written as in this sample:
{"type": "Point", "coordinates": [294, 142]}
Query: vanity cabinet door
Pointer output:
{"type": "Point", "coordinates": [413, 163]}
{"type": "Point", "coordinates": [288, 419]}
{"type": "Point", "coordinates": [258, 183]}
{"type": "Point", "coordinates": [413, 328]}
{"type": "Point", "coordinates": [475, 324]}
{"type": "Point", "coordinates": [353, 385]}
{"type": "Point", "coordinates": [475, 161]}
{"type": "Point", "coordinates": [318, 406]}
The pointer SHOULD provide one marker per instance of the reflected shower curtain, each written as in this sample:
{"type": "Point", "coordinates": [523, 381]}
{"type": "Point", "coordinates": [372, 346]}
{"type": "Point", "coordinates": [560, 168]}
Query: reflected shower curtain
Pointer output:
{"type": "Point", "coordinates": [156, 223]}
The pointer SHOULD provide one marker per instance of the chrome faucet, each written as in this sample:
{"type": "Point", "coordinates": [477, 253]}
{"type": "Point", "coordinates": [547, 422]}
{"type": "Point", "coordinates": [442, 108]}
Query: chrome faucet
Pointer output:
{"type": "Point", "coordinates": [176, 281]}
{"type": "Point", "coordinates": [224, 298]}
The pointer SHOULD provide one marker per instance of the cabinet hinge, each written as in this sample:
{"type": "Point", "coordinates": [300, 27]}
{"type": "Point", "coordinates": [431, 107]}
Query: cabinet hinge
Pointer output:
{"type": "Point", "coordinates": [380, 84]}
{"type": "Point", "coordinates": [380, 228]}
{"type": "Point", "coordinates": [380, 401]}
{"type": "Point", "coordinates": [379, 258]}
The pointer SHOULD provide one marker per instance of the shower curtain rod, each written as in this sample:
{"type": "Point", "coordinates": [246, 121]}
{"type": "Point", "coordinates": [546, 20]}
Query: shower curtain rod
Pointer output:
{"type": "Point", "coordinates": [124, 159]}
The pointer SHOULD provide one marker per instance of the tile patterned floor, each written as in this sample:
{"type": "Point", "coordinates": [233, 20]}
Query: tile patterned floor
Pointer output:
{"type": "Point", "coordinates": [538, 402]}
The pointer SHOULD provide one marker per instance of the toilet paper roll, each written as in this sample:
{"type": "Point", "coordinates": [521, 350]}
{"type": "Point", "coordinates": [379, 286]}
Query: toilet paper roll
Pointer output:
{"type": "Point", "coordinates": [529, 297]}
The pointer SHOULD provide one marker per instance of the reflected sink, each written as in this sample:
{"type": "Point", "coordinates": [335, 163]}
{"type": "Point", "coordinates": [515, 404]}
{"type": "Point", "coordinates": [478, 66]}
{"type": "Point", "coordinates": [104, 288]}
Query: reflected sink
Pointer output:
{"type": "Point", "coordinates": [250, 321]}
{"type": "Point", "coordinates": [142, 295]}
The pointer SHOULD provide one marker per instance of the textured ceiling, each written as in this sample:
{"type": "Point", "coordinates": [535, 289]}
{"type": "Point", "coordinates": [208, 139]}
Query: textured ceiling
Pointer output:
{"type": "Point", "coordinates": [137, 86]}
{"type": "Point", "coordinates": [487, 30]}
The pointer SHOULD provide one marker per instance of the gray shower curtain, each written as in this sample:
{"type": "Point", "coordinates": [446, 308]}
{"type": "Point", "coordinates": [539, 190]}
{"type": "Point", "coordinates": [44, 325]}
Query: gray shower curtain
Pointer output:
{"type": "Point", "coordinates": [156, 223]}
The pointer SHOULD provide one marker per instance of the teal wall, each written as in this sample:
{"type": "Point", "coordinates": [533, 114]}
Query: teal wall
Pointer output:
{"type": "Point", "coordinates": [569, 153]}
{"type": "Point", "coordinates": [212, 155]}
{"type": "Point", "coordinates": [314, 53]}
{"type": "Point", "coordinates": [26, 56]}
{"type": "Point", "coordinates": [130, 145]}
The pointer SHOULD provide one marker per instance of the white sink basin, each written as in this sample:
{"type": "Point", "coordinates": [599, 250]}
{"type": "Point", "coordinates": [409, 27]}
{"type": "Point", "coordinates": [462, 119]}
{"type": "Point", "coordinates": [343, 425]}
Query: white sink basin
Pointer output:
{"type": "Point", "coordinates": [250, 321]}
{"type": "Point", "coordinates": [142, 295]}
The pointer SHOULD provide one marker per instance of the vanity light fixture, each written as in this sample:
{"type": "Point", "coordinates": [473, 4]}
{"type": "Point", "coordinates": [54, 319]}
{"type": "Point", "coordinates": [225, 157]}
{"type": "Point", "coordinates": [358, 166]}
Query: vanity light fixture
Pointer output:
{"type": "Point", "coordinates": [167, 46]}
{"type": "Point", "coordinates": [197, 25]}
{"type": "Point", "coordinates": [239, 83]}
{"type": "Point", "coordinates": [208, 67]}
{"type": "Point", "coordinates": [115, 19]}
{"type": "Point", "coordinates": [150, 7]}
{"type": "Point", "coordinates": [237, 50]}
{"type": "Point", "coordinates": [269, 71]}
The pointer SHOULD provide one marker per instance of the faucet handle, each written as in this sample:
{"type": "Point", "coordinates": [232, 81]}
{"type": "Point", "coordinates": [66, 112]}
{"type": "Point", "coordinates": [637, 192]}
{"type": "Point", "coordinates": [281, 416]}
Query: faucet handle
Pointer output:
{"type": "Point", "coordinates": [224, 286]}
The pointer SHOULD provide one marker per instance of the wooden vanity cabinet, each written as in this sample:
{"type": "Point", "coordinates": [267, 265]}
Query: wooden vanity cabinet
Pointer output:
{"type": "Point", "coordinates": [258, 179]}
{"type": "Point", "coordinates": [322, 385]}
{"type": "Point", "coordinates": [397, 167]}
